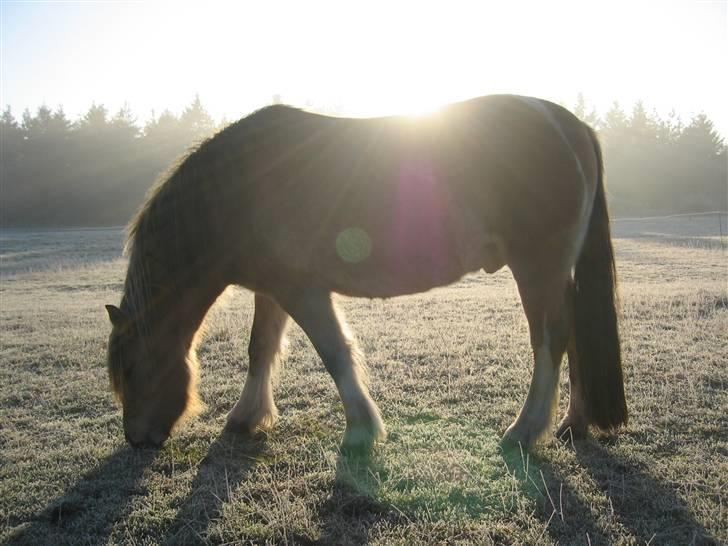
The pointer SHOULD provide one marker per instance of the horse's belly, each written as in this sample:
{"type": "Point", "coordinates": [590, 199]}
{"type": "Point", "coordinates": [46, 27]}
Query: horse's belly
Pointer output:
{"type": "Point", "coordinates": [394, 269]}
{"type": "Point", "coordinates": [394, 280]}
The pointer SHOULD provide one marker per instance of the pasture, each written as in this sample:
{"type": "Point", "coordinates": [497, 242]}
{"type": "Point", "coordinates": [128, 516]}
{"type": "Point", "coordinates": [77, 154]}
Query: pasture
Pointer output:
{"type": "Point", "coordinates": [449, 369]}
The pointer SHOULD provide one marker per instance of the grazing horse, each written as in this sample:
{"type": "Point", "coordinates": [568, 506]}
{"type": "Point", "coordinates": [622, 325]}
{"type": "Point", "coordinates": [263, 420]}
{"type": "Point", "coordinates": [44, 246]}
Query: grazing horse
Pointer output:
{"type": "Point", "coordinates": [296, 206]}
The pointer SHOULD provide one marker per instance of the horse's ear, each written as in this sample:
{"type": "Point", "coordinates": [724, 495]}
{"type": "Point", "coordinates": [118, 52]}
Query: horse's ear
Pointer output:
{"type": "Point", "coordinates": [117, 316]}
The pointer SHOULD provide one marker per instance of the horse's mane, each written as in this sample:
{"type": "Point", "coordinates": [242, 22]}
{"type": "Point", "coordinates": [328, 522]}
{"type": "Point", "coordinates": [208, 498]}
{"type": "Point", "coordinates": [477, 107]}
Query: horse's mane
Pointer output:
{"type": "Point", "coordinates": [162, 185]}
{"type": "Point", "coordinates": [141, 236]}
{"type": "Point", "coordinates": [154, 229]}
{"type": "Point", "coordinates": [165, 184]}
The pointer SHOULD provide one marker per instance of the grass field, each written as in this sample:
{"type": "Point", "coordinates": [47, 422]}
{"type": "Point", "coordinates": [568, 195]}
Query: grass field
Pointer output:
{"type": "Point", "coordinates": [449, 370]}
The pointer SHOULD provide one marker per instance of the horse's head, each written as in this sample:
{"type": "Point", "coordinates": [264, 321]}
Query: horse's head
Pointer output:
{"type": "Point", "coordinates": [152, 378]}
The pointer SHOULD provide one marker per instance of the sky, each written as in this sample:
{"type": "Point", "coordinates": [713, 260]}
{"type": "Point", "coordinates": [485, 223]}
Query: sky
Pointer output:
{"type": "Point", "coordinates": [362, 58]}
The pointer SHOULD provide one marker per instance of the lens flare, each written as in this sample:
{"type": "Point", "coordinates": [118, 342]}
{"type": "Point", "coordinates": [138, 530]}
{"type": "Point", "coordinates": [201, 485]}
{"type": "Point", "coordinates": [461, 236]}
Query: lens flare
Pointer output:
{"type": "Point", "coordinates": [353, 245]}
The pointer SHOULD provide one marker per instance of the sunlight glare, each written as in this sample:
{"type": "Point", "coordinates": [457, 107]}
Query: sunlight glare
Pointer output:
{"type": "Point", "coordinates": [368, 59]}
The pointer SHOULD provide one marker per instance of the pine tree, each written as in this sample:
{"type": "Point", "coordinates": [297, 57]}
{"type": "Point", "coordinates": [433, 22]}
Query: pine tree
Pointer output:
{"type": "Point", "coordinates": [196, 121]}
{"type": "Point", "coordinates": [591, 117]}
{"type": "Point", "coordinates": [668, 130]}
{"type": "Point", "coordinates": [162, 127]}
{"type": "Point", "coordinates": [701, 138]}
{"type": "Point", "coordinates": [7, 121]}
{"type": "Point", "coordinates": [124, 124]}
{"type": "Point", "coordinates": [12, 139]}
{"type": "Point", "coordinates": [615, 120]}
{"type": "Point", "coordinates": [38, 125]}
{"type": "Point", "coordinates": [641, 125]}
{"type": "Point", "coordinates": [95, 120]}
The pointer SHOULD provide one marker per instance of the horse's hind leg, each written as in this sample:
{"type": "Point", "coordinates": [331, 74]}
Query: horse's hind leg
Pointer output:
{"type": "Point", "coordinates": [256, 410]}
{"type": "Point", "coordinates": [575, 423]}
{"type": "Point", "coordinates": [543, 293]}
{"type": "Point", "coordinates": [315, 313]}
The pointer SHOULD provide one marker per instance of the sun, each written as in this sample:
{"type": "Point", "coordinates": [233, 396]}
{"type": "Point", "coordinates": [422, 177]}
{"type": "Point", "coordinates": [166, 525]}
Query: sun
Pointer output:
{"type": "Point", "coordinates": [424, 109]}
{"type": "Point", "coordinates": [409, 100]}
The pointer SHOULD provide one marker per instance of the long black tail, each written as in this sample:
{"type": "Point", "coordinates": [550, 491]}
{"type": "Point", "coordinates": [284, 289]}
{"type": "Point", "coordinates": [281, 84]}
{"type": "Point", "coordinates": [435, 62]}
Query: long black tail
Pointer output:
{"type": "Point", "coordinates": [599, 360]}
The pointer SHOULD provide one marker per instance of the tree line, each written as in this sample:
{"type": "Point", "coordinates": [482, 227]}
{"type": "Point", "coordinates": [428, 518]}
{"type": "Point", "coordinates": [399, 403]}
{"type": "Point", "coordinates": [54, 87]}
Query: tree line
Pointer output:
{"type": "Point", "coordinates": [95, 171]}
{"type": "Point", "coordinates": [660, 165]}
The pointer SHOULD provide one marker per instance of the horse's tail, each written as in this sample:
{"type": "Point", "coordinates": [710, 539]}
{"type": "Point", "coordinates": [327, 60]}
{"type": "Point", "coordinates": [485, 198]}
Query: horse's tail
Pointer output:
{"type": "Point", "coordinates": [599, 362]}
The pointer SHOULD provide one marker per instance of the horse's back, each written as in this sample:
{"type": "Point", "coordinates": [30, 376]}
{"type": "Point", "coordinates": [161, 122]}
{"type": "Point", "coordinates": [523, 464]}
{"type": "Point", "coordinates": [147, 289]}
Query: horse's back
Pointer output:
{"type": "Point", "coordinates": [392, 205]}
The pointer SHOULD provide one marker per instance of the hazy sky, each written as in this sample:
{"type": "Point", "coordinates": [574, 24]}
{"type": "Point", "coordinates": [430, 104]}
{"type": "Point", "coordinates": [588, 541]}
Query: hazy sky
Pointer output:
{"type": "Point", "coordinates": [363, 58]}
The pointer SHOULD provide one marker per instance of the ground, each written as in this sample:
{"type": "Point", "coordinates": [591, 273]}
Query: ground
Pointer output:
{"type": "Point", "coordinates": [449, 370]}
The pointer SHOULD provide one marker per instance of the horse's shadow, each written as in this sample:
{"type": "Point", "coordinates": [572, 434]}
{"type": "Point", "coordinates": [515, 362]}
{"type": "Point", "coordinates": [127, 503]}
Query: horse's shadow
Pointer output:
{"type": "Point", "coordinates": [228, 461]}
{"type": "Point", "coordinates": [96, 502]}
{"type": "Point", "coordinates": [353, 507]}
{"type": "Point", "coordinates": [633, 491]}
{"type": "Point", "coordinates": [646, 508]}
{"type": "Point", "coordinates": [90, 509]}
{"type": "Point", "coordinates": [92, 505]}
{"type": "Point", "coordinates": [649, 510]}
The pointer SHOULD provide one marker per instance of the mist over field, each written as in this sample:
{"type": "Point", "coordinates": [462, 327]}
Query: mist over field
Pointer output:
{"type": "Point", "coordinates": [96, 170]}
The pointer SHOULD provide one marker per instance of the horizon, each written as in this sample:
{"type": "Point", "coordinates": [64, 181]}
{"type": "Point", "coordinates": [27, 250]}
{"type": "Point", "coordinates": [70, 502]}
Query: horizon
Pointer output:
{"type": "Point", "coordinates": [323, 57]}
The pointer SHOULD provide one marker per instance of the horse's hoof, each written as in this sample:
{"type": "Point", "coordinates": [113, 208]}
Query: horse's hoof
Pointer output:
{"type": "Point", "coordinates": [569, 431]}
{"type": "Point", "coordinates": [241, 428]}
{"type": "Point", "coordinates": [359, 441]}
{"type": "Point", "coordinates": [512, 449]}
{"type": "Point", "coordinates": [251, 424]}
{"type": "Point", "coordinates": [515, 437]}
{"type": "Point", "coordinates": [236, 430]}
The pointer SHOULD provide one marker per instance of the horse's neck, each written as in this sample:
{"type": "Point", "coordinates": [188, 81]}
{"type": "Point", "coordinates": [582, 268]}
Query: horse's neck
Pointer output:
{"type": "Point", "coordinates": [173, 297]}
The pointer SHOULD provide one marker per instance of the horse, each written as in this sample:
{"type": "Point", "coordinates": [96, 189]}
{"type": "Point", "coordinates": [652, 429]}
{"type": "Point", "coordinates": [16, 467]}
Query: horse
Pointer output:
{"type": "Point", "coordinates": [297, 206]}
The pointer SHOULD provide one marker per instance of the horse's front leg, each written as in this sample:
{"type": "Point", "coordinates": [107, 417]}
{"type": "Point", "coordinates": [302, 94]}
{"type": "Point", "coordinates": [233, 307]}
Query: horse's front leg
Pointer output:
{"type": "Point", "coordinates": [315, 312]}
{"type": "Point", "coordinates": [256, 410]}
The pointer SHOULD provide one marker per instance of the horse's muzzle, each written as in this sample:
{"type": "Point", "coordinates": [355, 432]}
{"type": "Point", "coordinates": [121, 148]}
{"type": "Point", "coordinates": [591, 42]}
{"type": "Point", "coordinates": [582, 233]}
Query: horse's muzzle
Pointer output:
{"type": "Point", "coordinates": [150, 441]}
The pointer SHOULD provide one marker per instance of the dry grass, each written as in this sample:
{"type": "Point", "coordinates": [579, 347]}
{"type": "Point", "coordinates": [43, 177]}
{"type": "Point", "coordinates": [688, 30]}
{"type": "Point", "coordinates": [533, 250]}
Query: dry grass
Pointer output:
{"type": "Point", "coordinates": [450, 369]}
